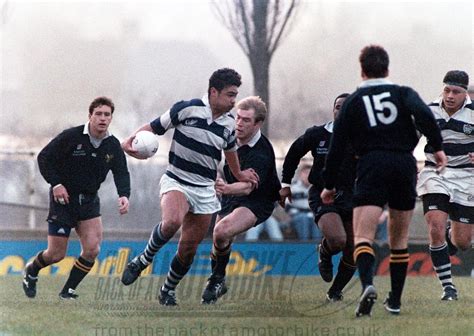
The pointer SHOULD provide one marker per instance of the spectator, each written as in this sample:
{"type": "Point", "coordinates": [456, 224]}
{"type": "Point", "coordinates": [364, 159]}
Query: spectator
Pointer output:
{"type": "Point", "coordinates": [302, 219]}
{"type": "Point", "coordinates": [272, 228]}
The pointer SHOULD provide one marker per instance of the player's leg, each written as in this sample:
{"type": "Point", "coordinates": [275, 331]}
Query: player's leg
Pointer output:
{"type": "Point", "coordinates": [462, 225]}
{"type": "Point", "coordinates": [90, 236]}
{"type": "Point", "coordinates": [461, 235]}
{"type": "Point", "coordinates": [193, 231]}
{"type": "Point", "coordinates": [346, 268]}
{"type": "Point", "coordinates": [174, 207]}
{"type": "Point", "coordinates": [55, 252]}
{"type": "Point", "coordinates": [239, 220]}
{"type": "Point", "coordinates": [398, 224]}
{"type": "Point", "coordinates": [60, 222]}
{"type": "Point", "coordinates": [333, 242]}
{"type": "Point", "coordinates": [365, 225]}
{"type": "Point", "coordinates": [436, 209]}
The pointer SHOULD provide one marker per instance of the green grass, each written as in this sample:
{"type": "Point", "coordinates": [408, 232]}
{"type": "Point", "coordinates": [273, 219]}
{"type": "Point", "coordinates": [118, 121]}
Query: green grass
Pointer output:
{"type": "Point", "coordinates": [253, 306]}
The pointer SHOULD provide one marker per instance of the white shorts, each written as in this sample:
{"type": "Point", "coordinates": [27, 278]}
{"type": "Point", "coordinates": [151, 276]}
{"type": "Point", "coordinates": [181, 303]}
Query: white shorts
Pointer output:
{"type": "Point", "coordinates": [458, 184]}
{"type": "Point", "coordinates": [202, 200]}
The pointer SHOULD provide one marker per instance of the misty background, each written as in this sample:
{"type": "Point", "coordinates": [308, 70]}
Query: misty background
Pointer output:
{"type": "Point", "coordinates": [57, 56]}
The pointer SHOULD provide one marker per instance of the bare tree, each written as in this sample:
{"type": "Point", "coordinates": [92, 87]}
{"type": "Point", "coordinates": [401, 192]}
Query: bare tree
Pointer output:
{"type": "Point", "coordinates": [258, 27]}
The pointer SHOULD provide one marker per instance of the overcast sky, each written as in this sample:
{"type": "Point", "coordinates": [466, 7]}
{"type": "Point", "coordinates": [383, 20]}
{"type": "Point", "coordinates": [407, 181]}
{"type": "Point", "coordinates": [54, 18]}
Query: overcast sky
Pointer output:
{"type": "Point", "coordinates": [316, 61]}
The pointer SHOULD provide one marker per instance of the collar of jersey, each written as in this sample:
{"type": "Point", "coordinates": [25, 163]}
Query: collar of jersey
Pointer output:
{"type": "Point", "coordinates": [254, 139]}
{"type": "Point", "coordinates": [374, 82]}
{"type": "Point", "coordinates": [86, 131]}
{"type": "Point", "coordinates": [329, 126]}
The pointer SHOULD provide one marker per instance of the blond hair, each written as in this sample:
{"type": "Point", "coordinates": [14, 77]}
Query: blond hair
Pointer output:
{"type": "Point", "coordinates": [256, 103]}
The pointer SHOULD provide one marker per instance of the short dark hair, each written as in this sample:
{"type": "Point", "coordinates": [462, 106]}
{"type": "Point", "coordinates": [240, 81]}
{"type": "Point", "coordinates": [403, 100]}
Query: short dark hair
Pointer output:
{"type": "Point", "coordinates": [374, 61]}
{"type": "Point", "coordinates": [99, 101]}
{"type": "Point", "coordinates": [222, 78]}
{"type": "Point", "coordinates": [342, 95]}
{"type": "Point", "coordinates": [457, 77]}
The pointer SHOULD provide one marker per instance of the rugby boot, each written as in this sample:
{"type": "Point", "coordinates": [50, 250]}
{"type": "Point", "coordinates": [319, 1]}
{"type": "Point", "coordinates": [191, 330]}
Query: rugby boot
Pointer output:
{"type": "Point", "coordinates": [133, 270]}
{"type": "Point", "coordinates": [29, 283]}
{"type": "Point", "coordinates": [215, 288]}
{"type": "Point", "coordinates": [366, 301]}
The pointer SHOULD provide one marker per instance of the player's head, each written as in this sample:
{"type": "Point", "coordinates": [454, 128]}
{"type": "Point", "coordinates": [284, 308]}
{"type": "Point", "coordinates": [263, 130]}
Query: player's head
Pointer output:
{"type": "Point", "coordinates": [99, 101]}
{"type": "Point", "coordinates": [454, 94]}
{"type": "Point", "coordinates": [100, 116]}
{"type": "Point", "coordinates": [223, 89]}
{"type": "Point", "coordinates": [251, 112]}
{"type": "Point", "coordinates": [374, 62]}
{"type": "Point", "coordinates": [338, 103]}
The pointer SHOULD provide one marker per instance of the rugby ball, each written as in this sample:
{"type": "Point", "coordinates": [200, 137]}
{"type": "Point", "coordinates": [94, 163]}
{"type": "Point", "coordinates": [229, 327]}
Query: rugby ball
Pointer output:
{"type": "Point", "coordinates": [145, 143]}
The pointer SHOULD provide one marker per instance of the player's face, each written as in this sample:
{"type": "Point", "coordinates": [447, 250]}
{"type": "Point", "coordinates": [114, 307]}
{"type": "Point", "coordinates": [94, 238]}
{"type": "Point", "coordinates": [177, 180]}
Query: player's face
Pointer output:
{"type": "Point", "coordinates": [223, 101]}
{"type": "Point", "coordinates": [453, 97]}
{"type": "Point", "coordinates": [99, 121]}
{"type": "Point", "coordinates": [337, 106]}
{"type": "Point", "coordinates": [245, 125]}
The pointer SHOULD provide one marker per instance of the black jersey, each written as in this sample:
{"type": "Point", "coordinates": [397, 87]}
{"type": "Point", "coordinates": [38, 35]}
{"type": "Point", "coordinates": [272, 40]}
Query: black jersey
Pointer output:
{"type": "Point", "coordinates": [317, 139]}
{"type": "Point", "coordinates": [380, 115]}
{"type": "Point", "coordinates": [261, 158]}
{"type": "Point", "coordinates": [71, 160]}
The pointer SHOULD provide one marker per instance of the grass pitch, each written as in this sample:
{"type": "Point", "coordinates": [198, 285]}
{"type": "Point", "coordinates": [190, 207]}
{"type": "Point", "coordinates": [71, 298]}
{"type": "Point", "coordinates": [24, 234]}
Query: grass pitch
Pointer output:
{"type": "Point", "coordinates": [253, 306]}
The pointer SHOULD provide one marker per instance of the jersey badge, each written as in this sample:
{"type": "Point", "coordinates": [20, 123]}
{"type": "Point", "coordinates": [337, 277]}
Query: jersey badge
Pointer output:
{"type": "Point", "coordinates": [467, 129]}
{"type": "Point", "coordinates": [109, 157]}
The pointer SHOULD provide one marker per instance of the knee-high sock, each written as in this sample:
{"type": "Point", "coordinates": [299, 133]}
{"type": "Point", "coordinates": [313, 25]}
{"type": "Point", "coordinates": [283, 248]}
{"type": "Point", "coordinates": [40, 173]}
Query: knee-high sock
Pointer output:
{"type": "Point", "coordinates": [398, 272]}
{"type": "Point", "coordinates": [155, 243]}
{"type": "Point", "coordinates": [79, 270]}
{"type": "Point", "coordinates": [345, 271]}
{"type": "Point", "coordinates": [364, 257]}
{"type": "Point", "coordinates": [37, 264]}
{"type": "Point", "coordinates": [219, 260]}
{"type": "Point", "coordinates": [442, 264]}
{"type": "Point", "coordinates": [177, 272]}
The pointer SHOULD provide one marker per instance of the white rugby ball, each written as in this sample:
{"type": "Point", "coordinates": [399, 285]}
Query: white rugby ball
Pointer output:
{"type": "Point", "coordinates": [145, 143]}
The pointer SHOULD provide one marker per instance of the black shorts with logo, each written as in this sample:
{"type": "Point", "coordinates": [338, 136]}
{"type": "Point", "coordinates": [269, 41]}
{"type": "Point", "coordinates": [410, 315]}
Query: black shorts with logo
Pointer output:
{"type": "Point", "coordinates": [457, 212]}
{"type": "Point", "coordinates": [261, 209]}
{"type": "Point", "coordinates": [62, 218]}
{"type": "Point", "coordinates": [386, 177]}
{"type": "Point", "coordinates": [342, 204]}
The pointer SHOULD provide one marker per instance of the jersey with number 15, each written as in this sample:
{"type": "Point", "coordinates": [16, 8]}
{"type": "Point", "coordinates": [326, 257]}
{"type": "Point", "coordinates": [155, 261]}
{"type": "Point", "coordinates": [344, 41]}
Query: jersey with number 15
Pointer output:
{"type": "Point", "coordinates": [381, 115]}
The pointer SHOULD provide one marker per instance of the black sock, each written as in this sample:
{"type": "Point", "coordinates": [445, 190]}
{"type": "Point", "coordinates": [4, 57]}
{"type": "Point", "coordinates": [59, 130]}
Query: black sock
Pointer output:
{"type": "Point", "coordinates": [177, 272]}
{"type": "Point", "coordinates": [442, 264]}
{"type": "Point", "coordinates": [219, 260]}
{"type": "Point", "coordinates": [345, 271]}
{"type": "Point", "coordinates": [37, 264]}
{"type": "Point", "coordinates": [398, 272]}
{"type": "Point", "coordinates": [79, 270]}
{"type": "Point", "coordinates": [155, 243]}
{"type": "Point", "coordinates": [364, 256]}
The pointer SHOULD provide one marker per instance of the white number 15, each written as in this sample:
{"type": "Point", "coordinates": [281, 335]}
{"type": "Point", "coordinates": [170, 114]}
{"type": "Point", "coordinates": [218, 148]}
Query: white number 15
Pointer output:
{"type": "Point", "coordinates": [380, 106]}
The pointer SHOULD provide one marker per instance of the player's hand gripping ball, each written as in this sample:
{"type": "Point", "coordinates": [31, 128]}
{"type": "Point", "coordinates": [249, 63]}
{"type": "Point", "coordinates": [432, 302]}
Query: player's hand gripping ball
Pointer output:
{"type": "Point", "coordinates": [145, 143]}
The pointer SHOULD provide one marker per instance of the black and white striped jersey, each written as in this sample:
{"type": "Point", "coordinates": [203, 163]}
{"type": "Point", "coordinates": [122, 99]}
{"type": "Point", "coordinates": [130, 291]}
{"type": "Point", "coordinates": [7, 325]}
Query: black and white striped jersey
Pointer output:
{"type": "Point", "coordinates": [457, 131]}
{"type": "Point", "coordinates": [198, 141]}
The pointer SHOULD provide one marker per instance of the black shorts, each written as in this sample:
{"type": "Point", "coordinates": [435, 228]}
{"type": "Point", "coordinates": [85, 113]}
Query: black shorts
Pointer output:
{"type": "Point", "coordinates": [386, 177]}
{"type": "Point", "coordinates": [62, 218]}
{"type": "Point", "coordinates": [342, 204]}
{"type": "Point", "coordinates": [261, 210]}
{"type": "Point", "coordinates": [457, 212]}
